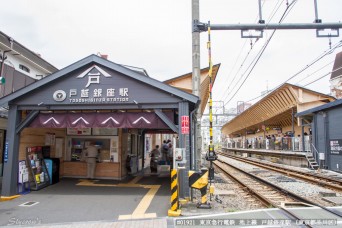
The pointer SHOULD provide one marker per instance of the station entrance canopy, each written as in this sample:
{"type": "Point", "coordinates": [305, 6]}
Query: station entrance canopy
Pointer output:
{"type": "Point", "coordinates": [146, 120]}
{"type": "Point", "coordinates": [94, 92]}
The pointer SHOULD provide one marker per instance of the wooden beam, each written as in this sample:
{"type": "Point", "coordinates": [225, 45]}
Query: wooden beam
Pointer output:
{"type": "Point", "coordinates": [281, 95]}
{"type": "Point", "coordinates": [282, 104]}
{"type": "Point", "coordinates": [277, 106]}
{"type": "Point", "coordinates": [293, 95]}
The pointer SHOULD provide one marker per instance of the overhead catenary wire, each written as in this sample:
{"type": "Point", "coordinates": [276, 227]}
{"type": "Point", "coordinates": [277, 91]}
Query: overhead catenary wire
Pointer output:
{"type": "Point", "coordinates": [323, 76]}
{"type": "Point", "coordinates": [289, 7]}
{"type": "Point", "coordinates": [226, 92]}
{"type": "Point", "coordinates": [250, 65]}
{"type": "Point", "coordinates": [329, 51]}
{"type": "Point", "coordinates": [224, 95]}
{"type": "Point", "coordinates": [325, 53]}
{"type": "Point", "coordinates": [309, 75]}
{"type": "Point", "coordinates": [317, 79]}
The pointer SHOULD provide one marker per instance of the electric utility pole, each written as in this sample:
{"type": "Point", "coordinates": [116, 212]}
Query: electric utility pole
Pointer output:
{"type": "Point", "coordinates": [245, 29]}
{"type": "Point", "coordinates": [196, 84]}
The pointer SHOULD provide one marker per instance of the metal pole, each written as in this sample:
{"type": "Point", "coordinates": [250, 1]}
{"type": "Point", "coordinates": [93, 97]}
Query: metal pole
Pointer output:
{"type": "Point", "coordinates": [261, 21]}
{"type": "Point", "coordinates": [293, 133]}
{"type": "Point", "coordinates": [204, 27]}
{"type": "Point", "coordinates": [211, 156]}
{"type": "Point", "coordinates": [210, 93]}
{"type": "Point", "coordinates": [316, 13]}
{"type": "Point", "coordinates": [196, 79]}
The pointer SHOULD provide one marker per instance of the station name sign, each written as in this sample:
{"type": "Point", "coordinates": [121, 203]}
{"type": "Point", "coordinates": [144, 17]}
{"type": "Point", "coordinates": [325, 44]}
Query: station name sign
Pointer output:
{"type": "Point", "coordinates": [95, 93]}
{"type": "Point", "coordinates": [336, 146]}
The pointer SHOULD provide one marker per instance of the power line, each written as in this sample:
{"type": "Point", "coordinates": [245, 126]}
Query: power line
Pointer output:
{"type": "Point", "coordinates": [323, 76]}
{"type": "Point", "coordinates": [227, 93]}
{"type": "Point", "coordinates": [317, 79]}
{"type": "Point", "coordinates": [330, 50]}
{"type": "Point", "coordinates": [325, 53]}
{"type": "Point", "coordinates": [289, 7]}
{"type": "Point", "coordinates": [315, 72]}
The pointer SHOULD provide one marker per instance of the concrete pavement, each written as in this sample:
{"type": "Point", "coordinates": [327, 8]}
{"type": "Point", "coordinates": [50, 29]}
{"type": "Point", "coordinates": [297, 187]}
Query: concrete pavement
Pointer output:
{"type": "Point", "coordinates": [73, 200]}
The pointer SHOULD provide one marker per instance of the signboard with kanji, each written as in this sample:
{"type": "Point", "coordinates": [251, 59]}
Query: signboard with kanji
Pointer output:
{"type": "Point", "coordinates": [185, 125]}
{"type": "Point", "coordinates": [336, 146]}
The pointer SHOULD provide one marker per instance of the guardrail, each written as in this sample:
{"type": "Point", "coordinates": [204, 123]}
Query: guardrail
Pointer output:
{"type": "Point", "coordinates": [279, 143]}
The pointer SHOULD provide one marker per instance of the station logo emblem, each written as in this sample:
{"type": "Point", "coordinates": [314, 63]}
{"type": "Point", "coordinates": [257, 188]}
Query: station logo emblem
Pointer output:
{"type": "Point", "coordinates": [94, 72]}
{"type": "Point", "coordinates": [59, 95]}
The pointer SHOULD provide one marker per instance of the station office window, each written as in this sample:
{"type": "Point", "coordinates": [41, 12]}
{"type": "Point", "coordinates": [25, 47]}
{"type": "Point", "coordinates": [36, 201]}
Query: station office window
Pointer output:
{"type": "Point", "coordinates": [24, 68]}
{"type": "Point", "coordinates": [105, 139]}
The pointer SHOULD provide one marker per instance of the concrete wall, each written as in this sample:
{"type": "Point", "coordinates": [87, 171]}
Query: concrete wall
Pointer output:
{"type": "Point", "coordinates": [297, 161]}
{"type": "Point", "coordinates": [333, 129]}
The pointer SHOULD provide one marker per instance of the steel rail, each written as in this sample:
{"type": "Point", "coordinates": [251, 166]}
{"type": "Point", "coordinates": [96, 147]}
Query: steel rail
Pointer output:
{"type": "Point", "coordinates": [312, 178]}
{"type": "Point", "coordinates": [262, 198]}
{"type": "Point", "coordinates": [293, 195]}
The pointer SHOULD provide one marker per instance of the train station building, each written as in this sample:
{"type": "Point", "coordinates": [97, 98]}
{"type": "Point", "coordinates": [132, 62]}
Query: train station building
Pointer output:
{"type": "Point", "coordinates": [120, 109]}
{"type": "Point", "coordinates": [91, 101]}
{"type": "Point", "coordinates": [325, 121]}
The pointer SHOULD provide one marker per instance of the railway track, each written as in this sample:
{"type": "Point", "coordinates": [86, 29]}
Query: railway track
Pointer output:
{"type": "Point", "coordinates": [324, 181]}
{"type": "Point", "coordinates": [265, 193]}
{"type": "Point", "coordinates": [268, 193]}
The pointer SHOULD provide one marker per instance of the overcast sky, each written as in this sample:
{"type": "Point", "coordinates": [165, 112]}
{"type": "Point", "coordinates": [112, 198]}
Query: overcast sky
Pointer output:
{"type": "Point", "coordinates": [156, 35]}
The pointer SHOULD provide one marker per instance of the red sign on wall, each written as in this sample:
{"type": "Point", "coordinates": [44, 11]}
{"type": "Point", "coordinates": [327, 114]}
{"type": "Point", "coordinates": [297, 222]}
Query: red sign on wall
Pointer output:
{"type": "Point", "coordinates": [185, 125]}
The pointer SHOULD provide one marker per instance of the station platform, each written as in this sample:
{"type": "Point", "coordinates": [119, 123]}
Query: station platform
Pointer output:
{"type": "Point", "coordinates": [141, 197]}
{"type": "Point", "coordinates": [285, 157]}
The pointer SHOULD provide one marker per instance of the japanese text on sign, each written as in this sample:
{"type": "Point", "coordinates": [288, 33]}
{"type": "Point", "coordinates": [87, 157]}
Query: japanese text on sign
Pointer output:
{"type": "Point", "coordinates": [185, 125]}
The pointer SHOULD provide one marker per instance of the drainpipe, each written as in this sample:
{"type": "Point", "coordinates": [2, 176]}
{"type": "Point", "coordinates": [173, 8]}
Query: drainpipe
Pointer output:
{"type": "Point", "coordinates": [303, 144]}
{"type": "Point", "coordinates": [4, 57]}
{"type": "Point", "coordinates": [192, 142]}
{"type": "Point", "coordinates": [327, 143]}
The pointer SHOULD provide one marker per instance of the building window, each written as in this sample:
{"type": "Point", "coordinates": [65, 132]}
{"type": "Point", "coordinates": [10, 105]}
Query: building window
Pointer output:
{"type": "Point", "coordinates": [24, 68]}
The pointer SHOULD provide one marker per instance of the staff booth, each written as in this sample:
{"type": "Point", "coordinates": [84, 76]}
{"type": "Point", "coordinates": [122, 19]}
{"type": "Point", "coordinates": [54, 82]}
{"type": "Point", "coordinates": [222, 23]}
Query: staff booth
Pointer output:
{"type": "Point", "coordinates": [93, 101]}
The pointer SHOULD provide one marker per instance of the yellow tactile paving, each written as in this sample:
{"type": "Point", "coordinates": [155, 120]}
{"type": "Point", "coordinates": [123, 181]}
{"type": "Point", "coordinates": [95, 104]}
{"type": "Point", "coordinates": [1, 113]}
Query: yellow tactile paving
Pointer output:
{"type": "Point", "coordinates": [139, 212]}
{"type": "Point", "coordinates": [135, 180]}
{"type": "Point", "coordinates": [5, 198]}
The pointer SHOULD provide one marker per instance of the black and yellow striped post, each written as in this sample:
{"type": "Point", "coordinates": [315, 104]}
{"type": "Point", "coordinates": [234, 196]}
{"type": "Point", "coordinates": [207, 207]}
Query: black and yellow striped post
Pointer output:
{"type": "Point", "coordinates": [211, 155]}
{"type": "Point", "coordinates": [199, 180]}
{"type": "Point", "coordinates": [174, 211]}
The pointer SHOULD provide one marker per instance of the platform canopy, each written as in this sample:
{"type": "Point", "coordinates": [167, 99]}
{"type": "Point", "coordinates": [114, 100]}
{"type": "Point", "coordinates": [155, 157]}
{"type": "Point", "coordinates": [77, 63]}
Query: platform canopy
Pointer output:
{"type": "Point", "coordinates": [275, 110]}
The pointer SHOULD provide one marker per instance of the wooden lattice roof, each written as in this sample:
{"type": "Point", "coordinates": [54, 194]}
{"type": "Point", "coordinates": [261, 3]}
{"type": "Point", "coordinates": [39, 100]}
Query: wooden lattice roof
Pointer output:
{"type": "Point", "coordinates": [275, 109]}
